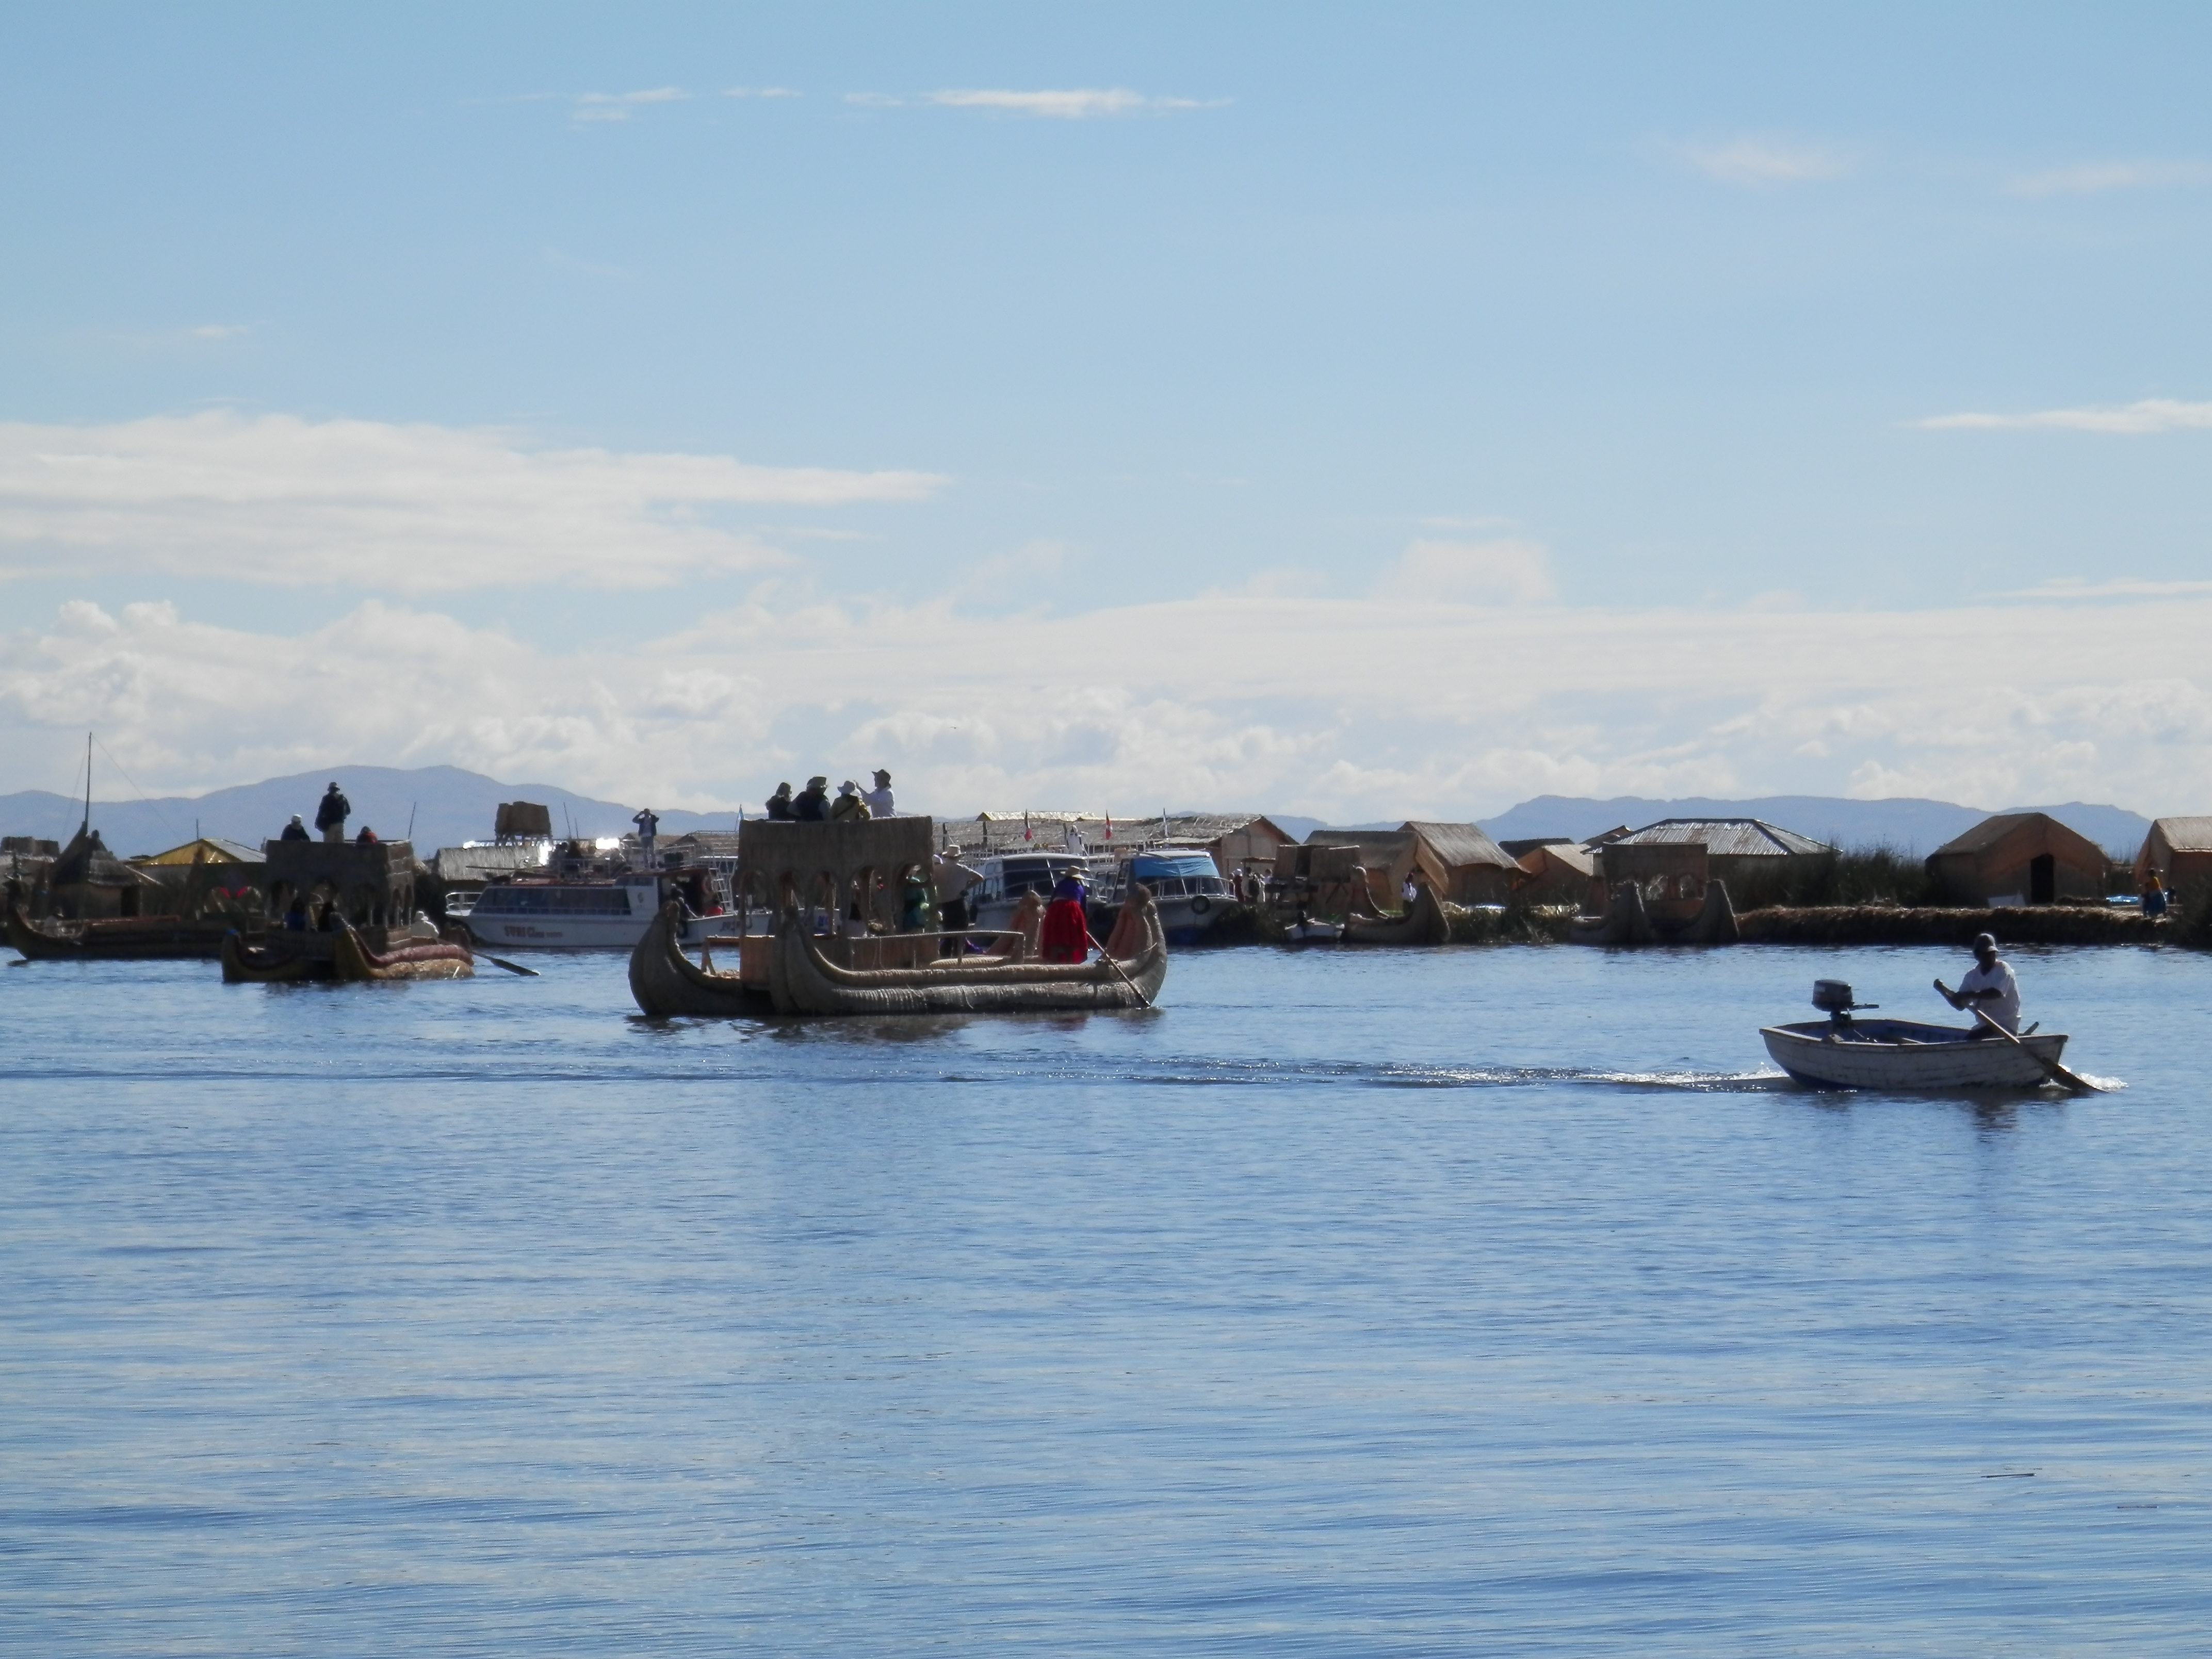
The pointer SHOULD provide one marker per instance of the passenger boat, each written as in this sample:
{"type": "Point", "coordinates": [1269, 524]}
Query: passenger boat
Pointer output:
{"type": "Point", "coordinates": [1008, 877]}
{"type": "Point", "coordinates": [794, 972]}
{"type": "Point", "coordinates": [601, 915]}
{"type": "Point", "coordinates": [1187, 887]}
{"type": "Point", "coordinates": [1841, 1051]}
{"type": "Point", "coordinates": [123, 939]}
{"type": "Point", "coordinates": [1423, 923]}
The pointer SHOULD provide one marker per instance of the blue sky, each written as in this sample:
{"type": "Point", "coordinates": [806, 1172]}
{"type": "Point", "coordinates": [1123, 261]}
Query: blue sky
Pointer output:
{"type": "Point", "coordinates": [1318, 409]}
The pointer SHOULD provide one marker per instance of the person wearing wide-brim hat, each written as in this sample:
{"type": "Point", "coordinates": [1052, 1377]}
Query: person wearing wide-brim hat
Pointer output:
{"type": "Point", "coordinates": [879, 798]}
{"type": "Point", "coordinates": [849, 805]}
{"type": "Point", "coordinates": [1989, 985]}
{"type": "Point", "coordinates": [811, 805]}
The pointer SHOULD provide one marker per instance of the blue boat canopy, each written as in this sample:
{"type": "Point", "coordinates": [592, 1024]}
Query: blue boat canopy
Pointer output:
{"type": "Point", "coordinates": [1147, 866]}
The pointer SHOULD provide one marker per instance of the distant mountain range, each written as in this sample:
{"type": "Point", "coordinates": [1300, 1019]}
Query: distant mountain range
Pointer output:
{"type": "Point", "coordinates": [1916, 827]}
{"type": "Point", "coordinates": [449, 805]}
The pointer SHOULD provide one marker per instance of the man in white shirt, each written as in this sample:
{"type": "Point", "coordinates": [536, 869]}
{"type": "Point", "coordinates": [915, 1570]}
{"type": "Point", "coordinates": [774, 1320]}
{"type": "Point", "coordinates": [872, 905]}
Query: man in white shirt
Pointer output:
{"type": "Point", "coordinates": [1989, 986]}
{"type": "Point", "coordinates": [879, 798]}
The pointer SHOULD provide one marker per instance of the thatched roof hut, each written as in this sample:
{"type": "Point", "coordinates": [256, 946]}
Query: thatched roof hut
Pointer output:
{"type": "Point", "coordinates": [1746, 854]}
{"type": "Point", "coordinates": [2019, 858]}
{"type": "Point", "coordinates": [2179, 850]}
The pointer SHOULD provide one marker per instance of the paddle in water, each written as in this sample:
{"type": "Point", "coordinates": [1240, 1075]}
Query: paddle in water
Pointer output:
{"type": "Point", "coordinates": [2052, 1068]}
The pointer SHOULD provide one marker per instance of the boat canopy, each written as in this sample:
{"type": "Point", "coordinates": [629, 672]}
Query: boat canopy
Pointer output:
{"type": "Point", "coordinates": [1147, 866]}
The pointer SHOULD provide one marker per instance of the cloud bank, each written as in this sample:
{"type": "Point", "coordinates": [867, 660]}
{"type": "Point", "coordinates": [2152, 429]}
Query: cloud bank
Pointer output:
{"type": "Point", "coordinates": [2096, 177]}
{"type": "Point", "coordinates": [1344, 709]}
{"type": "Point", "coordinates": [405, 509]}
{"type": "Point", "coordinates": [2150, 414]}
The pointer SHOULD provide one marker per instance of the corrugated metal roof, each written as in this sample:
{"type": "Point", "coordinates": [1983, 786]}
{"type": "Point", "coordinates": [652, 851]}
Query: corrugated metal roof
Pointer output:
{"type": "Point", "coordinates": [1734, 838]}
{"type": "Point", "coordinates": [1460, 845]}
{"type": "Point", "coordinates": [2186, 835]}
{"type": "Point", "coordinates": [1391, 841]}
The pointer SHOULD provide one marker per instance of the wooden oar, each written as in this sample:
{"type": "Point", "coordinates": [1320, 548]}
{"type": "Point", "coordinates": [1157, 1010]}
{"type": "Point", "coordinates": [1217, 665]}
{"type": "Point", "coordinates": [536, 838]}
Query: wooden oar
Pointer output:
{"type": "Point", "coordinates": [1143, 1000]}
{"type": "Point", "coordinates": [511, 967]}
{"type": "Point", "coordinates": [2052, 1068]}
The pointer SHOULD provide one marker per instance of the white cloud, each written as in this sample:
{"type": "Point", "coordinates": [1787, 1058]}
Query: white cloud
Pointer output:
{"type": "Point", "coordinates": [759, 92]}
{"type": "Point", "coordinates": [406, 510]}
{"type": "Point", "coordinates": [1508, 571]}
{"type": "Point", "coordinates": [2094, 178]}
{"type": "Point", "coordinates": [874, 100]}
{"type": "Point", "coordinates": [2150, 414]}
{"type": "Point", "coordinates": [620, 105]}
{"type": "Point", "coordinates": [1071, 105]}
{"type": "Point", "coordinates": [1753, 160]}
{"type": "Point", "coordinates": [1336, 707]}
{"type": "Point", "coordinates": [2124, 588]}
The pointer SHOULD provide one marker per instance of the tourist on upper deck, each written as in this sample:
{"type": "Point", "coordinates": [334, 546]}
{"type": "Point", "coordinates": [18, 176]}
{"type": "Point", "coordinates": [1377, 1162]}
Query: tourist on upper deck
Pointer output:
{"type": "Point", "coordinates": [295, 830]}
{"type": "Point", "coordinates": [332, 814]}
{"type": "Point", "coordinates": [779, 806]}
{"type": "Point", "coordinates": [813, 804]}
{"type": "Point", "coordinates": [879, 798]}
{"type": "Point", "coordinates": [649, 827]}
{"type": "Point", "coordinates": [849, 803]}
{"type": "Point", "coordinates": [1989, 986]}
{"type": "Point", "coordinates": [366, 838]}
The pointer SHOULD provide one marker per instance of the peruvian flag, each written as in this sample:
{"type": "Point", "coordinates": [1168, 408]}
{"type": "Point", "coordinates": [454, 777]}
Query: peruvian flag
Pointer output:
{"type": "Point", "coordinates": [1028, 833]}
{"type": "Point", "coordinates": [1109, 826]}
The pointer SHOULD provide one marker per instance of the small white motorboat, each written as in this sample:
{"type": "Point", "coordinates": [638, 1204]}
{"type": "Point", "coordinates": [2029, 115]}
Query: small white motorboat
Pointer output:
{"type": "Point", "coordinates": [1840, 1052]}
{"type": "Point", "coordinates": [1305, 932]}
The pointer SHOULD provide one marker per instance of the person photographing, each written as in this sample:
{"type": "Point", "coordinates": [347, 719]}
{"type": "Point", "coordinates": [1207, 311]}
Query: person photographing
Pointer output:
{"type": "Point", "coordinates": [1989, 986]}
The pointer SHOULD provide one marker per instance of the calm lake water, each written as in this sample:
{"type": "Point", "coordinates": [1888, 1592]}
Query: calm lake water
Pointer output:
{"type": "Point", "coordinates": [1461, 1301]}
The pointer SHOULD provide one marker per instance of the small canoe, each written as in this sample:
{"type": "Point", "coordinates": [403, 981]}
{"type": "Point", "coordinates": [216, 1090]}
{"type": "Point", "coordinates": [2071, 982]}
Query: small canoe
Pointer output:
{"type": "Point", "coordinates": [1305, 932]}
{"type": "Point", "coordinates": [1904, 1055]}
{"type": "Point", "coordinates": [1423, 923]}
{"type": "Point", "coordinates": [123, 939]}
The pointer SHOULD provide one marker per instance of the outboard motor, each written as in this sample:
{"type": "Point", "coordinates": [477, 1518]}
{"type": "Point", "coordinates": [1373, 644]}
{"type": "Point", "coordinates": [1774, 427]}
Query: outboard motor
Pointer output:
{"type": "Point", "coordinates": [1833, 997]}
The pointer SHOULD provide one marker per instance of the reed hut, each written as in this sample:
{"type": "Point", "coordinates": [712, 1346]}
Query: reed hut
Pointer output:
{"type": "Point", "coordinates": [206, 872]}
{"type": "Point", "coordinates": [2019, 858]}
{"type": "Point", "coordinates": [1558, 865]}
{"type": "Point", "coordinates": [1461, 863]}
{"type": "Point", "coordinates": [2178, 851]}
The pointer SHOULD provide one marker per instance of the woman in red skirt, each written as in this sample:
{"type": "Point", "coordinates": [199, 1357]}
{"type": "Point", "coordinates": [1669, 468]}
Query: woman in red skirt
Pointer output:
{"type": "Point", "coordinates": [1067, 935]}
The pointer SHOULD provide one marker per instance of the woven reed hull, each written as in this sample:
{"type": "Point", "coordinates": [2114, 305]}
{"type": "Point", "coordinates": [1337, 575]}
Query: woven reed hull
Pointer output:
{"type": "Point", "coordinates": [1423, 923]}
{"type": "Point", "coordinates": [355, 963]}
{"type": "Point", "coordinates": [667, 984]}
{"type": "Point", "coordinates": [147, 939]}
{"type": "Point", "coordinates": [262, 964]}
{"type": "Point", "coordinates": [803, 982]}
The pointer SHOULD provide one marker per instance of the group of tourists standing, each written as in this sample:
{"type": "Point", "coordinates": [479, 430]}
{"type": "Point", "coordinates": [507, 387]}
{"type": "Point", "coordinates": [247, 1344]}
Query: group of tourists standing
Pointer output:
{"type": "Point", "coordinates": [331, 815]}
{"type": "Point", "coordinates": [815, 804]}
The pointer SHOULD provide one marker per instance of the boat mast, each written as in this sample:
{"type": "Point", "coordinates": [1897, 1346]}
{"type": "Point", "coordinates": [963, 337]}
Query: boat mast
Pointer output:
{"type": "Point", "coordinates": [87, 824]}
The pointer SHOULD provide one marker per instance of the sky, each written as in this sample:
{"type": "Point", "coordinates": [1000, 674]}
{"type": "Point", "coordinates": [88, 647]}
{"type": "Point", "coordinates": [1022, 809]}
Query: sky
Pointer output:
{"type": "Point", "coordinates": [1351, 411]}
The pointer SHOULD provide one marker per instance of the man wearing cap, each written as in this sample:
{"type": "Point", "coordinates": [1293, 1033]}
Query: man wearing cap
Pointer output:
{"type": "Point", "coordinates": [812, 804]}
{"type": "Point", "coordinates": [295, 830]}
{"type": "Point", "coordinates": [1989, 986]}
{"type": "Point", "coordinates": [879, 798]}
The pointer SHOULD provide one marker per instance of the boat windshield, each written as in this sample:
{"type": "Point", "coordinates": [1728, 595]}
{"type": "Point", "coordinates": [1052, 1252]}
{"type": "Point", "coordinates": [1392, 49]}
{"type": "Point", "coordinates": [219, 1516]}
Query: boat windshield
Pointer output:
{"type": "Point", "coordinates": [554, 901]}
{"type": "Point", "coordinates": [1177, 875]}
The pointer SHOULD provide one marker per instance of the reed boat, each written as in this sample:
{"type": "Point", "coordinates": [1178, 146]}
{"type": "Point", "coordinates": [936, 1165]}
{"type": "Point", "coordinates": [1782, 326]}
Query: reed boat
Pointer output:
{"type": "Point", "coordinates": [419, 952]}
{"type": "Point", "coordinates": [124, 938]}
{"type": "Point", "coordinates": [1423, 922]}
{"type": "Point", "coordinates": [792, 973]}
{"type": "Point", "coordinates": [410, 958]}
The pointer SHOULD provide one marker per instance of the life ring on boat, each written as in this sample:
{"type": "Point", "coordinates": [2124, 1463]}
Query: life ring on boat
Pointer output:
{"type": "Point", "coordinates": [1201, 905]}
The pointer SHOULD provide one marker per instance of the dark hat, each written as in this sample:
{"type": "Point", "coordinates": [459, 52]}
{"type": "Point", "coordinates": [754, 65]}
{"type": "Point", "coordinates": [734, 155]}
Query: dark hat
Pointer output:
{"type": "Point", "coordinates": [1984, 942]}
